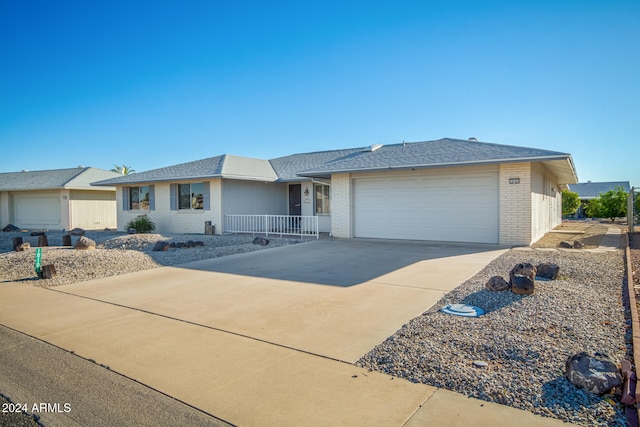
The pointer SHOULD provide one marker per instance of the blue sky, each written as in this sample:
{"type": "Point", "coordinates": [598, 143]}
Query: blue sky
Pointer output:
{"type": "Point", "coordinates": [154, 83]}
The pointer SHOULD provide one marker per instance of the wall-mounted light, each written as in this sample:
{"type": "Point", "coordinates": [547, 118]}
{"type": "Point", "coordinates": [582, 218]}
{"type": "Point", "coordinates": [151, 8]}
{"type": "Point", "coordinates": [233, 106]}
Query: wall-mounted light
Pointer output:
{"type": "Point", "coordinates": [306, 191]}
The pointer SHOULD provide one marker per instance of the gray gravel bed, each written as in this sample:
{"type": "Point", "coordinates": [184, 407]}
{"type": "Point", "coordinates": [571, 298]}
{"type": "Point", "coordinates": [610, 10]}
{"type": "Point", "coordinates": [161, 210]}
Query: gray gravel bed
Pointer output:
{"type": "Point", "coordinates": [525, 339]}
{"type": "Point", "coordinates": [116, 253]}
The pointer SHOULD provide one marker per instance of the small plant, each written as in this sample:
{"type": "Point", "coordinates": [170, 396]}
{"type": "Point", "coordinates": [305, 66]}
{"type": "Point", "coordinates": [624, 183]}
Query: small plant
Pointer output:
{"type": "Point", "coordinates": [142, 224]}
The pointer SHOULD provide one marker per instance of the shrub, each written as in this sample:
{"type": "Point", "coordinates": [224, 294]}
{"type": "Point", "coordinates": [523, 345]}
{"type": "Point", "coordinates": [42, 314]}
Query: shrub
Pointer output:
{"type": "Point", "coordinates": [142, 224]}
{"type": "Point", "coordinates": [612, 204]}
{"type": "Point", "coordinates": [570, 202]}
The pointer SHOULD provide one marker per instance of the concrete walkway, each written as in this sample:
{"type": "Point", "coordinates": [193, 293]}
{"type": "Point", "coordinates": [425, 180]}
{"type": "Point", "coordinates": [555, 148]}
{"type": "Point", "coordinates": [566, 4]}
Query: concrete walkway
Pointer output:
{"type": "Point", "coordinates": [263, 338]}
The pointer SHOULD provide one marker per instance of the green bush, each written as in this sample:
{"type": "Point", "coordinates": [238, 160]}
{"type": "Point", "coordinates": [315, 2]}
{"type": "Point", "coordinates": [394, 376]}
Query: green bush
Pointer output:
{"type": "Point", "coordinates": [570, 202]}
{"type": "Point", "coordinates": [142, 224]}
{"type": "Point", "coordinates": [612, 205]}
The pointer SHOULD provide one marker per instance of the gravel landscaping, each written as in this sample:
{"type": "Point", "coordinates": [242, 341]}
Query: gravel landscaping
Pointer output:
{"type": "Point", "coordinates": [525, 340]}
{"type": "Point", "coordinates": [115, 253]}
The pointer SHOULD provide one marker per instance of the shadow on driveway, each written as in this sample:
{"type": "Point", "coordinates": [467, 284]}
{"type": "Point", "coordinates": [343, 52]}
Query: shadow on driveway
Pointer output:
{"type": "Point", "coordinates": [337, 262]}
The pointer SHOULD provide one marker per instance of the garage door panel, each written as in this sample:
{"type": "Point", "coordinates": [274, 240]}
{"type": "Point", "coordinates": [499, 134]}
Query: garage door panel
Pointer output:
{"type": "Point", "coordinates": [37, 212]}
{"type": "Point", "coordinates": [461, 208]}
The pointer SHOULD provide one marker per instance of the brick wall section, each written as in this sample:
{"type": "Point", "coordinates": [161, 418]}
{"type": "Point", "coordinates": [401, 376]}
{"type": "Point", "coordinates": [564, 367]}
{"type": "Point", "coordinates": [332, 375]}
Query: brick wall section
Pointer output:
{"type": "Point", "coordinates": [515, 204]}
{"type": "Point", "coordinates": [341, 205]}
{"type": "Point", "coordinates": [178, 221]}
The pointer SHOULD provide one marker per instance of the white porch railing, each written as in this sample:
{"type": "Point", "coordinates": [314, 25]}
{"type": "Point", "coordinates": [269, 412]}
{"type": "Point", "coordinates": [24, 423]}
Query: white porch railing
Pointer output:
{"type": "Point", "coordinates": [272, 224]}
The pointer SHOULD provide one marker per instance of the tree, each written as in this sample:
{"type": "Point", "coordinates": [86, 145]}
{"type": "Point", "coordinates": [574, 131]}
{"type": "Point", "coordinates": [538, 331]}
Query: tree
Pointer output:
{"type": "Point", "coordinates": [124, 170]}
{"type": "Point", "coordinates": [570, 202]}
{"type": "Point", "coordinates": [612, 204]}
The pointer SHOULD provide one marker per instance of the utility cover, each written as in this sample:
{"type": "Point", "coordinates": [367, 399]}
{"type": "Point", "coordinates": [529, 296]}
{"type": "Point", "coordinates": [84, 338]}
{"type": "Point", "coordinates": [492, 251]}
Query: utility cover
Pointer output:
{"type": "Point", "coordinates": [462, 310]}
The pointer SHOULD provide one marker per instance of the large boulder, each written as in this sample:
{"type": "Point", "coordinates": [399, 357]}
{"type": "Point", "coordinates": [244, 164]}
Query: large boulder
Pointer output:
{"type": "Point", "coordinates": [497, 283]}
{"type": "Point", "coordinates": [522, 278]}
{"type": "Point", "coordinates": [547, 271]}
{"type": "Point", "coordinates": [260, 241]}
{"type": "Point", "coordinates": [23, 247]}
{"type": "Point", "coordinates": [85, 243]}
{"type": "Point", "coordinates": [77, 232]}
{"type": "Point", "coordinates": [161, 246]}
{"type": "Point", "coordinates": [597, 373]}
{"type": "Point", "coordinates": [10, 228]}
{"type": "Point", "coordinates": [565, 244]}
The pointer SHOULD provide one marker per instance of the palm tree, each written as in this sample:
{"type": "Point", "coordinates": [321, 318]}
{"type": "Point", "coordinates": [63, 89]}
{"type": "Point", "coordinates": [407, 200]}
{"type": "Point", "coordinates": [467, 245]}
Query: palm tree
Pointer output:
{"type": "Point", "coordinates": [124, 170]}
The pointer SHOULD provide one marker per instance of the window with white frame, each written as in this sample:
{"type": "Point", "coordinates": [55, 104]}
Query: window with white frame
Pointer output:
{"type": "Point", "coordinates": [139, 198]}
{"type": "Point", "coordinates": [322, 199]}
{"type": "Point", "coordinates": [190, 196]}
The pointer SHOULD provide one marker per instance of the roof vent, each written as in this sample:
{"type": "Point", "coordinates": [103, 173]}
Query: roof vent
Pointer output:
{"type": "Point", "coordinates": [373, 147]}
{"type": "Point", "coordinates": [473, 139]}
{"type": "Point", "coordinates": [80, 167]}
{"type": "Point", "coordinates": [25, 170]}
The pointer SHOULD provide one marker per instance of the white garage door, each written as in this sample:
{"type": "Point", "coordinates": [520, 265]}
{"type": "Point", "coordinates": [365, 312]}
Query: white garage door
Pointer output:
{"type": "Point", "coordinates": [453, 207]}
{"type": "Point", "coordinates": [36, 212]}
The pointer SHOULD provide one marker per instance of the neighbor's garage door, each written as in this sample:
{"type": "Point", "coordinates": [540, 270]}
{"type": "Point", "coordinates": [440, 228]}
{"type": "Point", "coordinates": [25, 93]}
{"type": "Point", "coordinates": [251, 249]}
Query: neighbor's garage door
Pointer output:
{"type": "Point", "coordinates": [36, 211]}
{"type": "Point", "coordinates": [447, 207]}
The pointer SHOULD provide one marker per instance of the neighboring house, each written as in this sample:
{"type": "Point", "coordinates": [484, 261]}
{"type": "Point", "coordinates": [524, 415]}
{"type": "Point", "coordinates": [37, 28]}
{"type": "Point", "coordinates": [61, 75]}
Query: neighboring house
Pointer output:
{"type": "Point", "coordinates": [57, 199]}
{"type": "Point", "coordinates": [444, 190]}
{"type": "Point", "coordinates": [590, 190]}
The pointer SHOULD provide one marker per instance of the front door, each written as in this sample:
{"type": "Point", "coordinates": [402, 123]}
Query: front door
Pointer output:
{"type": "Point", "coordinates": [295, 199]}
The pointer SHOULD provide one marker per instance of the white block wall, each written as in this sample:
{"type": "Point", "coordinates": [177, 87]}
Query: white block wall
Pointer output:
{"type": "Point", "coordinates": [176, 221]}
{"type": "Point", "coordinates": [515, 204]}
{"type": "Point", "coordinates": [341, 212]}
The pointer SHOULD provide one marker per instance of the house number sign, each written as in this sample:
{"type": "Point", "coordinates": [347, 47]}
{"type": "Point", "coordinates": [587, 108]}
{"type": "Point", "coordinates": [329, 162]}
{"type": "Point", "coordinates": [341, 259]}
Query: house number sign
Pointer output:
{"type": "Point", "coordinates": [514, 180]}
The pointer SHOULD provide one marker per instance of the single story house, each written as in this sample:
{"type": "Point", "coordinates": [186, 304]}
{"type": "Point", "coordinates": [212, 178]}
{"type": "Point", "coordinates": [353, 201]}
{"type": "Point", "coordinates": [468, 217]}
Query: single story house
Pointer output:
{"type": "Point", "coordinates": [57, 199]}
{"type": "Point", "coordinates": [590, 190]}
{"type": "Point", "coordinates": [444, 190]}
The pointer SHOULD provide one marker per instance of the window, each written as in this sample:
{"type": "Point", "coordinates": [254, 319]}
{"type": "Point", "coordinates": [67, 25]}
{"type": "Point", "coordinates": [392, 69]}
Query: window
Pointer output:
{"type": "Point", "coordinates": [323, 205]}
{"type": "Point", "coordinates": [139, 198]}
{"type": "Point", "coordinates": [190, 196]}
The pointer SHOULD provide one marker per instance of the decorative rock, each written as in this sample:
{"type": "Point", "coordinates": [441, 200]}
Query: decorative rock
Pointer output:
{"type": "Point", "coordinates": [48, 271]}
{"type": "Point", "coordinates": [577, 244]}
{"type": "Point", "coordinates": [547, 271]}
{"type": "Point", "coordinates": [23, 247]}
{"type": "Point", "coordinates": [10, 228]}
{"type": "Point", "coordinates": [17, 241]}
{"type": "Point", "coordinates": [260, 241]}
{"type": "Point", "coordinates": [522, 278]}
{"type": "Point", "coordinates": [565, 244]}
{"type": "Point", "coordinates": [161, 246]}
{"type": "Point", "coordinates": [77, 232]}
{"type": "Point", "coordinates": [597, 374]}
{"type": "Point", "coordinates": [43, 240]}
{"type": "Point", "coordinates": [198, 244]}
{"type": "Point", "coordinates": [497, 283]}
{"type": "Point", "coordinates": [181, 245]}
{"type": "Point", "coordinates": [522, 285]}
{"type": "Point", "coordinates": [480, 364]}
{"type": "Point", "coordinates": [173, 245]}
{"type": "Point", "coordinates": [132, 231]}
{"type": "Point", "coordinates": [85, 243]}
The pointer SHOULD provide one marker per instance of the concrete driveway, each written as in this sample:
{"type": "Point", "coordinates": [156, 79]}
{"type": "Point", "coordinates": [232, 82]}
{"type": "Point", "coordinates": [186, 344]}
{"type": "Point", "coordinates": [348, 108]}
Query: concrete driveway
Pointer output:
{"type": "Point", "coordinates": [262, 338]}
{"type": "Point", "coordinates": [335, 298]}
